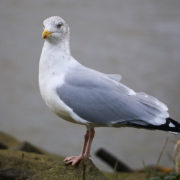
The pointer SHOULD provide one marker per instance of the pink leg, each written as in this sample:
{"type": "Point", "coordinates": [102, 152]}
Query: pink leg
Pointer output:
{"type": "Point", "coordinates": [88, 148]}
{"type": "Point", "coordinates": [75, 159]}
{"type": "Point", "coordinates": [86, 137]}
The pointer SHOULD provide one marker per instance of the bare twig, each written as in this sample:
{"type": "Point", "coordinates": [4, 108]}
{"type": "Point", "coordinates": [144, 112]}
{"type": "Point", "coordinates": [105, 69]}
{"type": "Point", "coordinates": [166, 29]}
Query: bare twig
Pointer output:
{"type": "Point", "coordinates": [162, 150]}
{"type": "Point", "coordinates": [177, 156]}
{"type": "Point", "coordinates": [84, 169]}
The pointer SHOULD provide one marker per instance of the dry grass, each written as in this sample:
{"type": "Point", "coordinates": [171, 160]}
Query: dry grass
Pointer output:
{"type": "Point", "coordinates": [177, 156]}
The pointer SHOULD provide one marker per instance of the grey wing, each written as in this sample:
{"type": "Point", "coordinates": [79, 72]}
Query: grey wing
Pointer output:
{"type": "Point", "coordinates": [102, 102]}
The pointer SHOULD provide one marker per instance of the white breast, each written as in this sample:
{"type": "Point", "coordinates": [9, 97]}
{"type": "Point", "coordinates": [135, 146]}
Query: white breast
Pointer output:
{"type": "Point", "coordinates": [48, 92]}
{"type": "Point", "coordinates": [52, 69]}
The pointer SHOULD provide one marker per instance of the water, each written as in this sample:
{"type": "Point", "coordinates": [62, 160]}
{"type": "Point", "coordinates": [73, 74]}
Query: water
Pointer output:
{"type": "Point", "coordinates": [139, 39]}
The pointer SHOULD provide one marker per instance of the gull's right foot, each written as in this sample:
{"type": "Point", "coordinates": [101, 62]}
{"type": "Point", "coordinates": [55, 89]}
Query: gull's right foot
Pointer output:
{"type": "Point", "coordinates": [73, 160]}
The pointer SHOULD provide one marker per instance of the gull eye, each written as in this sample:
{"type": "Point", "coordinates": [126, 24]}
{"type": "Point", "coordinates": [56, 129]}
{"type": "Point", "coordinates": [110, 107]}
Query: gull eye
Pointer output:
{"type": "Point", "coordinates": [59, 25]}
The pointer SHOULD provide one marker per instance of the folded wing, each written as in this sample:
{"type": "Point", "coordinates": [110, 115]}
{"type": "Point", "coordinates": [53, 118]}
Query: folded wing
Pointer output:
{"type": "Point", "coordinates": [100, 101]}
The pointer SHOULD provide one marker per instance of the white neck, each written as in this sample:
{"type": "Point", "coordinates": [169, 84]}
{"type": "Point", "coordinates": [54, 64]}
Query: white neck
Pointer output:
{"type": "Point", "coordinates": [57, 45]}
{"type": "Point", "coordinates": [54, 56]}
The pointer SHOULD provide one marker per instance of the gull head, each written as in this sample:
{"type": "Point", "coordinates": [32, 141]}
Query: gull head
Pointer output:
{"type": "Point", "coordinates": [55, 29]}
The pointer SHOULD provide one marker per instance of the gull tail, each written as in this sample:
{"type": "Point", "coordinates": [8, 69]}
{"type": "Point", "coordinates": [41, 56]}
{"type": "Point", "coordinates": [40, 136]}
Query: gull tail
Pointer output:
{"type": "Point", "coordinates": [171, 125]}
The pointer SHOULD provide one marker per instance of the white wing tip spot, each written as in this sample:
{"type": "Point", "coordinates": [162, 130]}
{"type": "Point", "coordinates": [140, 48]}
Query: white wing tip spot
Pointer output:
{"type": "Point", "coordinates": [171, 125]}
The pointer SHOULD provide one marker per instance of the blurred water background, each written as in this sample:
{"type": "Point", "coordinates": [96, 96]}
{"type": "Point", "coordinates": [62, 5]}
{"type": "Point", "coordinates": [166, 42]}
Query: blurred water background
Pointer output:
{"type": "Point", "coordinates": [139, 39]}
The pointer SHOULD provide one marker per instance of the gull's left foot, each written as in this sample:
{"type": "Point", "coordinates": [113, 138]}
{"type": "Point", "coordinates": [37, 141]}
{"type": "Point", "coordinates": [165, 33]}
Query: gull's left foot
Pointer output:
{"type": "Point", "coordinates": [73, 160]}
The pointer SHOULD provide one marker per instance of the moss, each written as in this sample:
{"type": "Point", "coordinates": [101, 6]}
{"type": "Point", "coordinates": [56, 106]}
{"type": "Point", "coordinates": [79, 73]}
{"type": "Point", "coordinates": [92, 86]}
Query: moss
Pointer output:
{"type": "Point", "coordinates": [38, 167]}
{"type": "Point", "coordinates": [85, 170]}
{"type": "Point", "coordinates": [126, 176]}
{"type": "Point", "coordinates": [26, 161]}
{"type": "Point", "coordinates": [17, 164]}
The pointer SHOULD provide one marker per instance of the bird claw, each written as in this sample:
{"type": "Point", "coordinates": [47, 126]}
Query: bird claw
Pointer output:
{"type": "Point", "coordinates": [73, 160]}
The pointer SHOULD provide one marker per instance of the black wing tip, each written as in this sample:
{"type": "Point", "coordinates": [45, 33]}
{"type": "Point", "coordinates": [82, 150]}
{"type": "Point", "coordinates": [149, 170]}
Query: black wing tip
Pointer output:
{"type": "Point", "coordinates": [171, 125]}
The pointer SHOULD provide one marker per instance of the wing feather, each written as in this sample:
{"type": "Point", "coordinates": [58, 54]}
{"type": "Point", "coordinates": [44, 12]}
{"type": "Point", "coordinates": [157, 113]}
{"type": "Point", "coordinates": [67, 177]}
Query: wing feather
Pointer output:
{"type": "Point", "coordinates": [99, 100]}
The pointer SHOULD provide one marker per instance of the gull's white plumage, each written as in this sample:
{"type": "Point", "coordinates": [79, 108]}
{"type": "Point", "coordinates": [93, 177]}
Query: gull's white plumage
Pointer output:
{"type": "Point", "coordinates": [85, 96]}
{"type": "Point", "coordinates": [55, 63]}
{"type": "Point", "coordinates": [52, 69]}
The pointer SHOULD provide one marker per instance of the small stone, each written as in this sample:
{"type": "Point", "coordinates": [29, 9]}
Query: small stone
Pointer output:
{"type": "Point", "coordinates": [12, 173]}
{"type": "Point", "coordinates": [3, 146]}
{"type": "Point", "coordinates": [28, 147]}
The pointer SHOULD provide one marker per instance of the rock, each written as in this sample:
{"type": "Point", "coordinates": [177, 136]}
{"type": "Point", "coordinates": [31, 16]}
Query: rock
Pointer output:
{"type": "Point", "coordinates": [16, 164]}
{"type": "Point", "coordinates": [7, 140]}
{"type": "Point", "coordinates": [3, 146]}
{"type": "Point", "coordinates": [85, 170]}
{"type": "Point", "coordinates": [23, 165]}
{"type": "Point", "coordinates": [12, 173]}
{"type": "Point", "coordinates": [27, 161]}
{"type": "Point", "coordinates": [28, 147]}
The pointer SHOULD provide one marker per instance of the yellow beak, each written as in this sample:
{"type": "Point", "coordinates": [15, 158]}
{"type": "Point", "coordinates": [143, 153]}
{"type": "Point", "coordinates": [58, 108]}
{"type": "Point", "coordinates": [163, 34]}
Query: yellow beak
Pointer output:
{"type": "Point", "coordinates": [46, 34]}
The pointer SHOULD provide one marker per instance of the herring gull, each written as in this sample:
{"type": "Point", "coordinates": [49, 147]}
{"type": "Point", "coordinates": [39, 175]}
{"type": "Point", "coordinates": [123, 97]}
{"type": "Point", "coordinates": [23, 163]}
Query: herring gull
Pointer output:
{"type": "Point", "coordinates": [85, 96]}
